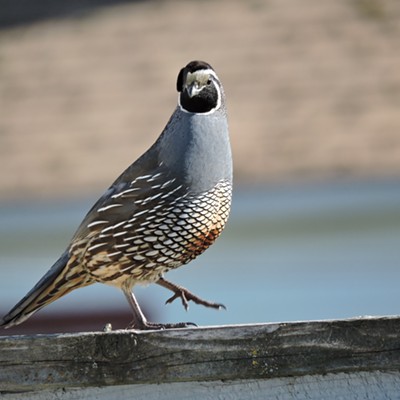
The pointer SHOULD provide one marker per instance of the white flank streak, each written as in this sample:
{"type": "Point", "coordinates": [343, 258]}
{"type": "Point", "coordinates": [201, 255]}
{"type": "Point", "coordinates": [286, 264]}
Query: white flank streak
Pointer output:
{"type": "Point", "coordinates": [114, 254]}
{"type": "Point", "coordinates": [151, 198]}
{"type": "Point", "coordinates": [140, 213]}
{"type": "Point", "coordinates": [121, 246]}
{"type": "Point", "coordinates": [157, 206]}
{"type": "Point", "coordinates": [129, 239]}
{"type": "Point", "coordinates": [155, 196]}
{"type": "Point", "coordinates": [167, 183]}
{"type": "Point", "coordinates": [113, 227]}
{"type": "Point", "coordinates": [171, 192]}
{"type": "Point", "coordinates": [126, 268]}
{"type": "Point", "coordinates": [115, 196]}
{"type": "Point", "coordinates": [120, 233]}
{"type": "Point", "coordinates": [94, 223]}
{"type": "Point", "coordinates": [154, 177]}
{"type": "Point", "coordinates": [96, 246]}
{"type": "Point", "coordinates": [143, 177]}
{"type": "Point", "coordinates": [108, 207]}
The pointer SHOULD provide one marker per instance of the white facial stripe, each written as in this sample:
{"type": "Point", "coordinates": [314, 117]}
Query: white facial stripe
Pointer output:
{"type": "Point", "coordinates": [209, 72]}
{"type": "Point", "coordinates": [200, 76]}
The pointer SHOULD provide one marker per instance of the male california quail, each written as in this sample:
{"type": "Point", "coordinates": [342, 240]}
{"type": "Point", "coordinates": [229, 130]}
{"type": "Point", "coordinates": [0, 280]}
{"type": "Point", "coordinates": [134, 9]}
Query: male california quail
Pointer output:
{"type": "Point", "coordinates": [163, 211]}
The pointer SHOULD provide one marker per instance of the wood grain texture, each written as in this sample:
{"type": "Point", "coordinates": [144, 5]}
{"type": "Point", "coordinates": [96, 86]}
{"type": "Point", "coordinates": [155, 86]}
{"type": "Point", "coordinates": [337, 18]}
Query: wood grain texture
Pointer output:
{"type": "Point", "coordinates": [226, 353]}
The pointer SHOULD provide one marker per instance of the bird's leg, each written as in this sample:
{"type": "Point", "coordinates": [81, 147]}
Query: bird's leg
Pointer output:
{"type": "Point", "coordinates": [186, 296]}
{"type": "Point", "coordinates": [139, 320]}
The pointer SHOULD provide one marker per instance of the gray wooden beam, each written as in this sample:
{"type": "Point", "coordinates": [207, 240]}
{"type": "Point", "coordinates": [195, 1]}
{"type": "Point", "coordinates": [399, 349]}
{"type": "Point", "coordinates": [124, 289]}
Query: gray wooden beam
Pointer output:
{"type": "Point", "coordinates": [234, 353]}
{"type": "Point", "coordinates": [358, 385]}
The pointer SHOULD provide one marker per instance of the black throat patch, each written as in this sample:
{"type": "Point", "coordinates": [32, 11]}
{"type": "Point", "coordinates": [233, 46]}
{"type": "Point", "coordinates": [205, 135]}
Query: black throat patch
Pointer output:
{"type": "Point", "coordinates": [203, 102]}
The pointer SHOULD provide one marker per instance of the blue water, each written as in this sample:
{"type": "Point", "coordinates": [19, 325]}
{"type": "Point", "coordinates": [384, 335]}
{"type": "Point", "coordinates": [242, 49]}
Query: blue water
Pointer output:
{"type": "Point", "coordinates": [289, 253]}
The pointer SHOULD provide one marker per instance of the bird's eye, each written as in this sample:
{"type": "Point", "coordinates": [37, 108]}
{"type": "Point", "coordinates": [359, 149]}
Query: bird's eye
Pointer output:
{"type": "Point", "coordinates": [209, 82]}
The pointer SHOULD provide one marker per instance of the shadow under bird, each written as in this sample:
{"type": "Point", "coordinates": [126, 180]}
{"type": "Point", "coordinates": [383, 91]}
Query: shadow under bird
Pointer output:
{"type": "Point", "coordinates": [163, 211]}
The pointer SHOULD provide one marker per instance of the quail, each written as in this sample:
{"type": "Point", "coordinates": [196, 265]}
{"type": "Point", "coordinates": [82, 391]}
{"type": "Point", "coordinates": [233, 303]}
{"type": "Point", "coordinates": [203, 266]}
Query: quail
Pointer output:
{"type": "Point", "coordinates": [164, 210]}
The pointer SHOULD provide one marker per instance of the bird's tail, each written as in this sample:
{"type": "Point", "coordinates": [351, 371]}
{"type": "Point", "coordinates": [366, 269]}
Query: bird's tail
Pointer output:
{"type": "Point", "coordinates": [58, 281]}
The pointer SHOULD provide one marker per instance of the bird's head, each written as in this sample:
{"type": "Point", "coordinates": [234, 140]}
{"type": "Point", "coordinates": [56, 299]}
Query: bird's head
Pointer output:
{"type": "Point", "coordinates": [199, 88]}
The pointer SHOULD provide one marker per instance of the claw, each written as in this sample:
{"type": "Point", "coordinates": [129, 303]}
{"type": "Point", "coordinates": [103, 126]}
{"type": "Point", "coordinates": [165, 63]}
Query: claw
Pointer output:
{"type": "Point", "coordinates": [156, 326]}
{"type": "Point", "coordinates": [180, 295]}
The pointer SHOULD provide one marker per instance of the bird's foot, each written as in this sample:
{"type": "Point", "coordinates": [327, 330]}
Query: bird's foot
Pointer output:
{"type": "Point", "coordinates": [145, 325]}
{"type": "Point", "coordinates": [186, 296]}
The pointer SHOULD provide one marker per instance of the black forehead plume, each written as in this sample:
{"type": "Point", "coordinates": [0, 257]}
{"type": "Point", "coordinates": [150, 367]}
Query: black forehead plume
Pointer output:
{"type": "Point", "coordinates": [191, 67]}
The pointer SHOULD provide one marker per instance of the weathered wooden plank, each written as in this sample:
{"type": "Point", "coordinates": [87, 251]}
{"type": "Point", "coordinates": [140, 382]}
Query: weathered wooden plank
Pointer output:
{"type": "Point", "coordinates": [262, 351]}
{"type": "Point", "coordinates": [357, 386]}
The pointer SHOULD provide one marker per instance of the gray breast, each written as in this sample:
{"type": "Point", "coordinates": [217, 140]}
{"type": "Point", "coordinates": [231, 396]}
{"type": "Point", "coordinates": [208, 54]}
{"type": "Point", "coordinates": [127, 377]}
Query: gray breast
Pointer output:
{"type": "Point", "coordinates": [196, 147]}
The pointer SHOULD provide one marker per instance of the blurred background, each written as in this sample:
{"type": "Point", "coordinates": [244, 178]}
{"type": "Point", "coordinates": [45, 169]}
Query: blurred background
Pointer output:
{"type": "Point", "coordinates": [313, 93]}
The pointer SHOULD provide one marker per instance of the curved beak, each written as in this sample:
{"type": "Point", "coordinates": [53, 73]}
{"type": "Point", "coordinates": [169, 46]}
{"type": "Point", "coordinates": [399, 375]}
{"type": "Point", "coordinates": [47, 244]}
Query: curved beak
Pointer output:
{"type": "Point", "coordinates": [193, 89]}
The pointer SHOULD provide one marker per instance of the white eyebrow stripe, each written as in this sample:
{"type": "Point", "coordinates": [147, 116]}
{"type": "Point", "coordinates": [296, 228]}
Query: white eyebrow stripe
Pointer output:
{"type": "Point", "coordinates": [206, 72]}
